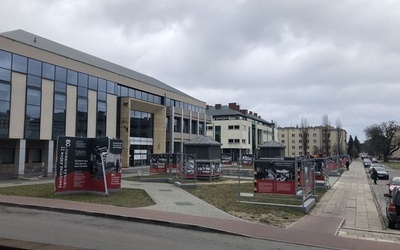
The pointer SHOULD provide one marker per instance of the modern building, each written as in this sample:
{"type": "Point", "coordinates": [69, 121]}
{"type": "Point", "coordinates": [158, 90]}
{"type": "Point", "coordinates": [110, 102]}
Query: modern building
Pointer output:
{"type": "Point", "coordinates": [320, 139]}
{"type": "Point", "coordinates": [240, 131]}
{"type": "Point", "coordinates": [48, 90]}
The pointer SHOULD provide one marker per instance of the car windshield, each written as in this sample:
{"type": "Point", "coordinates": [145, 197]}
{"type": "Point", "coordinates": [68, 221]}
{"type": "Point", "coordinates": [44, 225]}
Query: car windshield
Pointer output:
{"type": "Point", "coordinates": [380, 169]}
{"type": "Point", "coordinates": [396, 181]}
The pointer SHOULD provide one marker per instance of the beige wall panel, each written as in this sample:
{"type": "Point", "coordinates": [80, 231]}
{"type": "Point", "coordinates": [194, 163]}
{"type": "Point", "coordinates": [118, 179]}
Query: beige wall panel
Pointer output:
{"type": "Point", "coordinates": [70, 126]}
{"type": "Point", "coordinates": [46, 115]}
{"type": "Point", "coordinates": [17, 110]}
{"type": "Point", "coordinates": [111, 125]}
{"type": "Point", "coordinates": [159, 131]}
{"type": "Point", "coordinates": [92, 114]}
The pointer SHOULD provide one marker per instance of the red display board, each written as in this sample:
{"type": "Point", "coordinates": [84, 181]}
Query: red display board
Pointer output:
{"type": "Point", "coordinates": [88, 165]}
{"type": "Point", "coordinates": [275, 176]}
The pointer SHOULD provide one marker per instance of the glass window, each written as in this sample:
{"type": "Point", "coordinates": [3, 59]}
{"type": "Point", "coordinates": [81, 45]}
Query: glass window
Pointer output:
{"type": "Point", "coordinates": [72, 77]}
{"type": "Point", "coordinates": [124, 91]}
{"type": "Point", "coordinates": [92, 82]}
{"type": "Point", "coordinates": [4, 108]}
{"type": "Point", "coordinates": [82, 105]}
{"type": "Point", "coordinates": [5, 75]}
{"type": "Point", "coordinates": [110, 87]}
{"type": "Point", "coordinates": [61, 74]}
{"type": "Point", "coordinates": [36, 154]}
{"type": "Point", "coordinates": [138, 94]}
{"type": "Point", "coordinates": [60, 87]}
{"type": "Point", "coordinates": [132, 93]}
{"type": "Point", "coordinates": [5, 92]}
{"type": "Point", "coordinates": [82, 91]}
{"type": "Point", "coordinates": [32, 126]}
{"type": "Point", "coordinates": [144, 96]}
{"type": "Point", "coordinates": [83, 80]}
{"type": "Point", "coordinates": [34, 81]}
{"type": "Point", "coordinates": [33, 96]}
{"type": "Point", "coordinates": [7, 155]}
{"type": "Point", "coordinates": [5, 59]}
{"type": "Point", "coordinates": [101, 119]}
{"type": "Point", "coordinates": [59, 101]}
{"type": "Point", "coordinates": [34, 67]}
{"type": "Point", "coordinates": [102, 85]}
{"type": "Point", "coordinates": [5, 118]}
{"type": "Point", "coordinates": [19, 63]}
{"type": "Point", "coordinates": [59, 115]}
{"type": "Point", "coordinates": [157, 99]}
{"type": "Point", "coordinates": [102, 96]}
{"type": "Point", "coordinates": [150, 98]}
{"type": "Point", "coordinates": [48, 71]}
{"type": "Point", "coordinates": [81, 118]}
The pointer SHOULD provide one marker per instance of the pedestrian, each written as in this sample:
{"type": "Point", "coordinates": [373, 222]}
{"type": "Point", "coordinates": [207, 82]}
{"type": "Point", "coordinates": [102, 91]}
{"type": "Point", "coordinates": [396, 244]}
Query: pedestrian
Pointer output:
{"type": "Point", "coordinates": [374, 175]}
{"type": "Point", "coordinates": [347, 164]}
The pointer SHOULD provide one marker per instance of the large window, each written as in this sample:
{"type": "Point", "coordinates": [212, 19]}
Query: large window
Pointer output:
{"type": "Point", "coordinates": [7, 155]}
{"type": "Point", "coordinates": [194, 127]}
{"type": "Point", "coordinates": [20, 63]}
{"type": "Point", "coordinates": [5, 91]}
{"type": "Point", "coordinates": [5, 59]}
{"type": "Point", "coordinates": [186, 126]}
{"type": "Point", "coordinates": [217, 133]}
{"type": "Point", "coordinates": [177, 124]}
{"type": "Point", "coordinates": [101, 119]}
{"type": "Point", "coordinates": [82, 117]}
{"type": "Point", "coordinates": [59, 115]}
{"type": "Point", "coordinates": [32, 117]}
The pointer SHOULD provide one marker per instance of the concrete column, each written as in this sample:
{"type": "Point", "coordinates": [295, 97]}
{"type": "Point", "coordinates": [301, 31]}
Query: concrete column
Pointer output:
{"type": "Point", "coordinates": [48, 165]}
{"type": "Point", "coordinates": [20, 161]}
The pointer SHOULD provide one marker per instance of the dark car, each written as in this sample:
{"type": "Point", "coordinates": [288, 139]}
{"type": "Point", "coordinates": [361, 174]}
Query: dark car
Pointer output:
{"type": "Point", "coordinates": [383, 173]}
{"type": "Point", "coordinates": [367, 162]}
{"type": "Point", "coordinates": [374, 165]}
{"type": "Point", "coordinates": [393, 183]}
{"type": "Point", "coordinates": [393, 207]}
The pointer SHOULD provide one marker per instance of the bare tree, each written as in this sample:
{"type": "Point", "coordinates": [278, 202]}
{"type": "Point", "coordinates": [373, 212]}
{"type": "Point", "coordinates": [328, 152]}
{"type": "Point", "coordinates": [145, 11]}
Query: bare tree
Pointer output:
{"type": "Point", "coordinates": [385, 138]}
{"type": "Point", "coordinates": [339, 137]}
{"type": "Point", "coordinates": [326, 125]}
{"type": "Point", "coordinates": [304, 125]}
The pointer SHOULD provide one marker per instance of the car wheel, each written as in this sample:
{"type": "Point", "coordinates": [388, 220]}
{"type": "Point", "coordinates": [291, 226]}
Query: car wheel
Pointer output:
{"type": "Point", "coordinates": [392, 224]}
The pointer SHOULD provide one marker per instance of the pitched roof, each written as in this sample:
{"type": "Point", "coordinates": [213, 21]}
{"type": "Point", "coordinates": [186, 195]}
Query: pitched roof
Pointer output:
{"type": "Point", "coordinates": [226, 111]}
{"type": "Point", "coordinates": [68, 52]}
{"type": "Point", "coordinates": [272, 144]}
{"type": "Point", "coordinates": [203, 140]}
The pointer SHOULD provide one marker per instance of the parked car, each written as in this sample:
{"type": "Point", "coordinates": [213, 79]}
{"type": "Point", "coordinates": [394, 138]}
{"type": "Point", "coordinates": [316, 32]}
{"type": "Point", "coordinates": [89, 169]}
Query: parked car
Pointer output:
{"type": "Point", "coordinates": [393, 207]}
{"type": "Point", "coordinates": [367, 162]}
{"type": "Point", "coordinates": [393, 183]}
{"type": "Point", "coordinates": [374, 165]}
{"type": "Point", "coordinates": [383, 173]}
{"type": "Point", "coordinates": [374, 160]}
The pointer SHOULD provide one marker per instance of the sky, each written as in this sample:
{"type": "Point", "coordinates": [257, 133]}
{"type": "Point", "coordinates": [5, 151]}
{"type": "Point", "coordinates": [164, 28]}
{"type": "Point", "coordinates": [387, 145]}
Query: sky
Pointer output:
{"type": "Point", "coordinates": [284, 60]}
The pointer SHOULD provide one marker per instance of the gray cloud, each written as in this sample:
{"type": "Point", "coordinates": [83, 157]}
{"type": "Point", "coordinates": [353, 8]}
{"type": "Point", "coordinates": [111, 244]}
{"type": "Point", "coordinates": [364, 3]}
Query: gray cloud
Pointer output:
{"type": "Point", "coordinates": [282, 59]}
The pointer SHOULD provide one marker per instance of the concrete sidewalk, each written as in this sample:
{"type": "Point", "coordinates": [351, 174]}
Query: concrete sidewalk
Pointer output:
{"type": "Point", "coordinates": [345, 218]}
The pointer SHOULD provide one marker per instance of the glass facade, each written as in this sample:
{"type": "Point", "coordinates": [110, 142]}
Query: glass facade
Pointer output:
{"type": "Point", "coordinates": [141, 134]}
{"type": "Point", "coordinates": [36, 70]}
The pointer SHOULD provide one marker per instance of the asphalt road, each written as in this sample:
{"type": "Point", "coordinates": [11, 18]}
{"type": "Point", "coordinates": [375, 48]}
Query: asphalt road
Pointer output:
{"type": "Point", "coordinates": [379, 190]}
{"type": "Point", "coordinates": [102, 233]}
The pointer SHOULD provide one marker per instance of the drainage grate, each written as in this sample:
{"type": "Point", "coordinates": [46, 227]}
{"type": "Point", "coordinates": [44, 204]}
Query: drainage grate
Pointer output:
{"type": "Point", "coordinates": [183, 203]}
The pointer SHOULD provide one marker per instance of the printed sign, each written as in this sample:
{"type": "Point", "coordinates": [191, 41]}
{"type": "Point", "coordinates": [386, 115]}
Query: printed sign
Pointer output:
{"type": "Point", "coordinates": [88, 165]}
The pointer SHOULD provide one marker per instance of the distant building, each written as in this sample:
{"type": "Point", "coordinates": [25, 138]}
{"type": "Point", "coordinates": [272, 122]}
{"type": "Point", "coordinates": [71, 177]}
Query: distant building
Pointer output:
{"type": "Point", "coordinates": [49, 90]}
{"type": "Point", "coordinates": [240, 131]}
{"type": "Point", "coordinates": [320, 139]}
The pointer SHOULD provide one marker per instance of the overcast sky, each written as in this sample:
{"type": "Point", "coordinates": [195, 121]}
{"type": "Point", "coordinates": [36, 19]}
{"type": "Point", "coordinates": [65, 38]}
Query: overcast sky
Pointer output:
{"type": "Point", "coordinates": [281, 59]}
